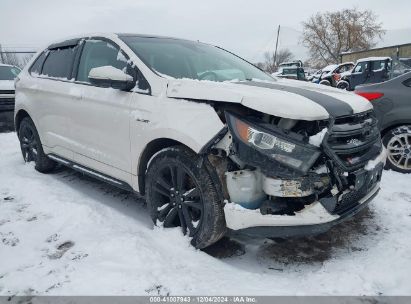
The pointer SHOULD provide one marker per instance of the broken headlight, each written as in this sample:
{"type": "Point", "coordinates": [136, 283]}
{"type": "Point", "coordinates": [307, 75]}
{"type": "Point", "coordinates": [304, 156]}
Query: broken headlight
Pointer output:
{"type": "Point", "coordinates": [274, 144]}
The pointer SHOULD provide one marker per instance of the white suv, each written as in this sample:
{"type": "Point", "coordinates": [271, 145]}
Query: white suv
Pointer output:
{"type": "Point", "coordinates": [214, 143]}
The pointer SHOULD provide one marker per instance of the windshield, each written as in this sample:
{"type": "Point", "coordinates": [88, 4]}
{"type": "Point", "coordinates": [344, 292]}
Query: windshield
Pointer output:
{"type": "Point", "coordinates": [193, 60]}
{"type": "Point", "coordinates": [289, 71]}
{"type": "Point", "coordinates": [8, 72]}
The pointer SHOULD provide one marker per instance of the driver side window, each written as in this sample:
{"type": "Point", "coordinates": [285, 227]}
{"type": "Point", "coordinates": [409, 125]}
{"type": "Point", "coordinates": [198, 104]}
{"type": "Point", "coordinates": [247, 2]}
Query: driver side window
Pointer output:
{"type": "Point", "coordinates": [98, 53]}
{"type": "Point", "coordinates": [361, 67]}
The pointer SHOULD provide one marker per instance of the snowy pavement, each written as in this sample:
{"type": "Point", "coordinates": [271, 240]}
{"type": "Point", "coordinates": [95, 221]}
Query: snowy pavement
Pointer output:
{"type": "Point", "coordinates": [66, 234]}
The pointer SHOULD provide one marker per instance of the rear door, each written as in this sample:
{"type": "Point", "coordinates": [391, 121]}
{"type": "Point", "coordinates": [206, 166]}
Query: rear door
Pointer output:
{"type": "Point", "coordinates": [101, 121]}
{"type": "Point", "coordinates": [53, 96]}
{"type": "Point", "coordinates": [379, 71]}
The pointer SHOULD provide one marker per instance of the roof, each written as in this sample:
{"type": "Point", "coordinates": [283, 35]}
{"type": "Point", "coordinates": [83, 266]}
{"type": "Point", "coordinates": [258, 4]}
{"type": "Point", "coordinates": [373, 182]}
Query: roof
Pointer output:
{"type": "Point", "coordinates": [348, 62]}
{"type": "Point", "coordinates": [71, 40]}
{"type": "Point", "coordinates": [147, 36]}
{"type": "Point", "coordinates": [3, 64]}
{"type": "Point", "coordinates": [329, 67]}
{"type": "Point", "coordinates": [373, 59]}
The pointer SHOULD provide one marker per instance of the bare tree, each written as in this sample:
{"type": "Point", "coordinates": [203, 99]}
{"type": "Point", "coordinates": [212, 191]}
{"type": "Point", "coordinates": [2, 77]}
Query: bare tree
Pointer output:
{"type": "Point", "coordinates": [8, 57]}
{"type": "Point", "coordinates": [282, 56]}
{"type": "Point", "coordinates": [329, 34]}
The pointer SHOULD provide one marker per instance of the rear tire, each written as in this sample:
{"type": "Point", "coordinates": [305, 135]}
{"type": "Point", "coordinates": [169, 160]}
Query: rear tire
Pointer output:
{"type": "Point", "coordinates": [398, 144]}
{"type": "Point", "coordinates": [31, 147]}
{"type": "Point", "coordinates": [180, 191]}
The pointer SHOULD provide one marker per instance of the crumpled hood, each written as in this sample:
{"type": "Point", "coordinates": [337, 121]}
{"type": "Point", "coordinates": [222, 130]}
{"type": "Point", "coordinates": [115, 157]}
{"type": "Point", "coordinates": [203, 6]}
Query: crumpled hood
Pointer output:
{"type": "Point", "coordinates": [6, 85]}
{"type": "Point", "coordinates": [284, 98]}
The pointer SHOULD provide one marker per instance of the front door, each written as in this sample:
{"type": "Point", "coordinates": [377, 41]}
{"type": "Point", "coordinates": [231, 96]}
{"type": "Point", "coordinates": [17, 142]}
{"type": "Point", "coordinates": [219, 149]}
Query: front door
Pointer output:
{"type": "Point", "coordinates": [102, 127]}
{"type": "Point", "coordinates": [359, 74]}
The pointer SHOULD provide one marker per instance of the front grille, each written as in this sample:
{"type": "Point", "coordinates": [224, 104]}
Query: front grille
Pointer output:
{"type": "Point", "coordinates": [353, 140]}
{"type": "Point", "coordinates": [6, 104]}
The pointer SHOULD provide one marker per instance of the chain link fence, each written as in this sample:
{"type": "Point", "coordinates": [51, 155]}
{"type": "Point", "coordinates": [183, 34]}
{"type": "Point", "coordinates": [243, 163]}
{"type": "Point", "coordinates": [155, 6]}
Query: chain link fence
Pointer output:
{"type": "Point", "coordinates": [15, 57]}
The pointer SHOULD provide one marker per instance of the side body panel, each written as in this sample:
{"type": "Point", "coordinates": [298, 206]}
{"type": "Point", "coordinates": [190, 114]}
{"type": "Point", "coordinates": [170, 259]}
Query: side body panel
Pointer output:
{"type": "Point", "coordinates": [193, 124]}
{"type": "Point", "coordinates": [395, 107]}
{"type": "Point", "coordinates": [49, 104]}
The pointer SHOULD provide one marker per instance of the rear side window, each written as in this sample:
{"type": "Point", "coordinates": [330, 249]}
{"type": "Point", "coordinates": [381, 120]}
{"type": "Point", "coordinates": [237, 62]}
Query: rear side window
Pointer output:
{"type": "Point", "coordinates": [59, 63]}
{"type": "Point", "coordinates": [98, 53]}
{"type": "Point", "coordinates": [407, 83]}
{"type": "Point", "coordinates": [378, 65]}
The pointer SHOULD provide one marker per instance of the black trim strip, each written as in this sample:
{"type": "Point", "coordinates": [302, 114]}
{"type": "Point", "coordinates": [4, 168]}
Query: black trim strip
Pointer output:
{"type": "Point", "coordinates": [90, 172]}
{"type": "Point", "coordinates": [64, 44]}
{"type": "Point", "coordinates": [335, 107]}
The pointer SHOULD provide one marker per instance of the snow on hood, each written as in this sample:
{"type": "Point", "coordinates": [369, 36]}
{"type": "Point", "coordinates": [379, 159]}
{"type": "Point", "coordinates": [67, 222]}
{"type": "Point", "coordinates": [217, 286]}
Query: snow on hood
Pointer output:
{"type": "Point", "coordinates": [6, 85]}
{"type": "Point", "coordinates": [284, 98]}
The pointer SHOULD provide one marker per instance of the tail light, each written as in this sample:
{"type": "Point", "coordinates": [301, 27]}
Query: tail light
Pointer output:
{"type": "Point", "coordinates": [370, 95]}
{"type": "Point", "coordinates": [336, 77]}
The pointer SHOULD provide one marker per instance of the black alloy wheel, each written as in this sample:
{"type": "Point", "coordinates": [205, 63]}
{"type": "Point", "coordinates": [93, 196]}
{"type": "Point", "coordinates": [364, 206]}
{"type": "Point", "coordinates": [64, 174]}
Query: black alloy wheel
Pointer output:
{"type": "Point", "coordinates": [179, 193]}
{"type": "Point", "coordinates": [180, 196]}
{"type": "Point", "coordinates": [31, 147]}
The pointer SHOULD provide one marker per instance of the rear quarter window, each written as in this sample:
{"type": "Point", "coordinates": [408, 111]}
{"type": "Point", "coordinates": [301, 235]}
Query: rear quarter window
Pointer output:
{"type": "Point", "coordinates": [59, 63]}
{"type": "Point", "coordinates": [407, 82]}
{"type": "Point", "coordinates": [35, 69]}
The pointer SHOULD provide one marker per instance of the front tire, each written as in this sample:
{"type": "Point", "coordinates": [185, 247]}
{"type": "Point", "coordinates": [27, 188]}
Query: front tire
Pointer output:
{"type": "Point", "coordinates": [343, 85]}
{"type": "Point", "coordinates": [180, 191]}
{"type": "Point", "coordinates": [325, 82]}
{"type": "Point", "coordinates": [31, 147]}
{"type": "Point", "coordinates": [398, 144]}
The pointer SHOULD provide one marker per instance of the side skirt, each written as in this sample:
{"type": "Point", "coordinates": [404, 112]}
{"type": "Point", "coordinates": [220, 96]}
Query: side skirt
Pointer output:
{"type": "Point", "coordinates": [90, 172]}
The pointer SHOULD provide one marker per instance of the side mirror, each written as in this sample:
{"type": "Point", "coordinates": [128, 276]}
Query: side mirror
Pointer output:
{"type": "Point", "coordinates": [110, 77]}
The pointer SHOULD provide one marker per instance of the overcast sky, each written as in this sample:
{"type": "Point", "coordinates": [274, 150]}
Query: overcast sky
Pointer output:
{"type": "Point", "coordinates": [244, 27]}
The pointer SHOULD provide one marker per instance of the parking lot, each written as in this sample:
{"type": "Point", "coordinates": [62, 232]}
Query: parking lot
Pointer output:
{"type": "Point", "coordinates": [64, 233]}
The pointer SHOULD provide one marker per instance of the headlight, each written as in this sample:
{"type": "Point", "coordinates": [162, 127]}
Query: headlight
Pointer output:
{"type": "Point", "coordinates": [274, 144]}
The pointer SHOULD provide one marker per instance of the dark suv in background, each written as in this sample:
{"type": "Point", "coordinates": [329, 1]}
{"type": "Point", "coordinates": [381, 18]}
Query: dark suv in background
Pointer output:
{"type": "Point", "coordinates": [366, 70]}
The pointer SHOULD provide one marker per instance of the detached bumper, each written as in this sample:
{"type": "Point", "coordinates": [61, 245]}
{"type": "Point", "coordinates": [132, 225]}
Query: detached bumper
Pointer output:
{"type": "Point", "coordinates": [313, 219]}
{"type": "Point", "coordinates": [310, 221]}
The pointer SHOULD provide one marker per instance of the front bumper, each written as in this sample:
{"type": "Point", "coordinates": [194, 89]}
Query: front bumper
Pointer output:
{"type": "Point", "coordinates": [6, 121]}
{"type": "Point", "coordinates": [313, 219]}
{"type": "Point", "coordinates": [310, 221]}
{"type": "Point", "coordinates": [6, 111]}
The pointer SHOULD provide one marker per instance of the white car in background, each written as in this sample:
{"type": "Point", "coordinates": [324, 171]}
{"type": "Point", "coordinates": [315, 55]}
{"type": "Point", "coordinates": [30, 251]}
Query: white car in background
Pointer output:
{"type": "Point", "coordinates": [7, 75]}
{"type": "Point", "coordinates": [213, 143]}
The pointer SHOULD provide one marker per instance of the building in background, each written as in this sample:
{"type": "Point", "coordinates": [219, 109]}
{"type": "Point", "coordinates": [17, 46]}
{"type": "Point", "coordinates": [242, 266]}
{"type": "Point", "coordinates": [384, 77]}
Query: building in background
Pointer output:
{"type": "Point", "coordinates": [396, 52]}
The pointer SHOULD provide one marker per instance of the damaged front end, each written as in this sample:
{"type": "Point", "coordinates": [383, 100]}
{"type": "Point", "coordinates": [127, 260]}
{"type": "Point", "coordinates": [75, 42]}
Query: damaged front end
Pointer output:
{"type": "Point", "coordinates": [298, 177]}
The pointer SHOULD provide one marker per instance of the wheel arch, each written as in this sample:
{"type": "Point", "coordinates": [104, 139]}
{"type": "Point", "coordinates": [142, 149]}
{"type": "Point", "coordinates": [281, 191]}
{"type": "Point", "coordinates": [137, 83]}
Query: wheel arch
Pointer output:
{"type": "Point", "coordinates": [149, 151]}
{"type": "Point", "coordinates": [19, 117]}
{"type": "Point", "coordinates": [394, 125]}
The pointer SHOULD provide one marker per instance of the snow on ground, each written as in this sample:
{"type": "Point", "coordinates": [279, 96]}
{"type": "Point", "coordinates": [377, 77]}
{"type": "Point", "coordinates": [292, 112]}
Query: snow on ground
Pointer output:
{"type": "Point", "coordinates": [66, 234]}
